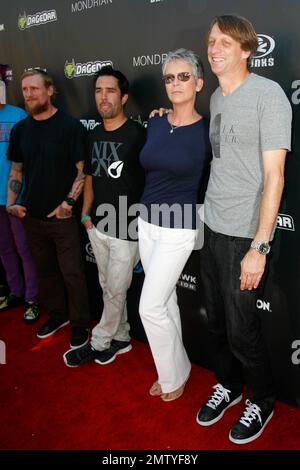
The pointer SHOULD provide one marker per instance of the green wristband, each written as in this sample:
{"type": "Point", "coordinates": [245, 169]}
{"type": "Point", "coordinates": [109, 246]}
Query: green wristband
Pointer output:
{"type": "Point", "coordinates": [85, 216]}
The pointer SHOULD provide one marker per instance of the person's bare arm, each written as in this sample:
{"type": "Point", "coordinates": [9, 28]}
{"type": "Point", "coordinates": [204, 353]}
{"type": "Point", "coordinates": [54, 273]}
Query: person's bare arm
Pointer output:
{"type": "Point", "coordinates": [14, 188]}
{"type": "Point", "coordinates": [64, 210]}
{"type": "Point", "coordinates": [253, 263]}
{"type": "Point", "coordinates": [88, 197]}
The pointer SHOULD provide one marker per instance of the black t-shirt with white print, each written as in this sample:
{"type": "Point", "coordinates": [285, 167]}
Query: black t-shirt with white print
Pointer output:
{"type": "Point", "coordinates": [117, 176]}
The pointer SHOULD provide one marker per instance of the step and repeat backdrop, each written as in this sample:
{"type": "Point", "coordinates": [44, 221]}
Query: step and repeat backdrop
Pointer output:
{"type": "Point", "coordinates": [73, 39]}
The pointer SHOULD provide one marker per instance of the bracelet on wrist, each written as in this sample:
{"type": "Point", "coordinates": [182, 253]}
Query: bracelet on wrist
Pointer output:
{"type": "Point", "coordinates": [85, 216]}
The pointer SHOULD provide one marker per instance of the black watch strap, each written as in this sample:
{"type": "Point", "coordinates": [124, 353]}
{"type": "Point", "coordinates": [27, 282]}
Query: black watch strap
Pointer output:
{"type": "Point", "coordinates": [70, 201]}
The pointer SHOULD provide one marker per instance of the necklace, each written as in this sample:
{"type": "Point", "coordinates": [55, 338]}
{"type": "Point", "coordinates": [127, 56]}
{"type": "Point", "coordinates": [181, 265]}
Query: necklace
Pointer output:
{"type": "Point", "coordinates": [172, 128]}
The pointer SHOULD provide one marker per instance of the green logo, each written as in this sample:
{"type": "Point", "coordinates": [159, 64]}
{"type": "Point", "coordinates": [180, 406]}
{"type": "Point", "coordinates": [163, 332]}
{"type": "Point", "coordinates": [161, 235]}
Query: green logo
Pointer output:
{"type": "Point", "coordinates": [22, 21]}
{"type": "Point", "coordinates": [70, 69]}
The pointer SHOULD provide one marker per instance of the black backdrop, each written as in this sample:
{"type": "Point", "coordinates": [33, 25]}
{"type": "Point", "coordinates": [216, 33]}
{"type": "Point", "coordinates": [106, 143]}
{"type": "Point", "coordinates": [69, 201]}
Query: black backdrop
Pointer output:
{"type": "Point", "coordinates": [72, 38]}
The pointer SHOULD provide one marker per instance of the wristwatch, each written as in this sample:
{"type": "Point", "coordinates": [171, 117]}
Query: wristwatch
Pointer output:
{"type": "Point", "coordinates": [262, 247]}
{"type": "Point", "coordinates": [70, 201]}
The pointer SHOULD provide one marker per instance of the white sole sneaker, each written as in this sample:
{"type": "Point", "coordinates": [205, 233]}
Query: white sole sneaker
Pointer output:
{"type": "Point", "coordinates": [53, 331]}
{"type": "Point", "coordinates": [120, 351]}
{"type": "Point", "coordinates": [252, 438]}
{"type": "Point", "coordinates": [213, 421]}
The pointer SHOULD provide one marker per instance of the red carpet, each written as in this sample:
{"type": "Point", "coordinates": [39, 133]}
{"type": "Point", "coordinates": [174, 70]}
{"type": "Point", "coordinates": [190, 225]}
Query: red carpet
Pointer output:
{"type": "Point", "coordinates": [46, 405]}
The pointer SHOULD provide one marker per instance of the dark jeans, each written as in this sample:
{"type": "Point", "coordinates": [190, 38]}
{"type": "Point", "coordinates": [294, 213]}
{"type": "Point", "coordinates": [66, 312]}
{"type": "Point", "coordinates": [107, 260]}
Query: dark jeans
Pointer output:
{"type": "Point", "coordinates": [234, 323]}
{"type": "Point", "coordinates": [55, 245]}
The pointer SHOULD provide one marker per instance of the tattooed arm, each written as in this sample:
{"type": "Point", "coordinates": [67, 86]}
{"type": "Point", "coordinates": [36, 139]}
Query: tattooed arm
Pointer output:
{"type": "Point", "coordinates": [64, 210]}
{"type": "Point", "coordinates": [13, 190]}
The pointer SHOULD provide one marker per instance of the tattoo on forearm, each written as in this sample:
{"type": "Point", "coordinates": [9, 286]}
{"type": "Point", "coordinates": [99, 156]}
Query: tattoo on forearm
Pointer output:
{"type": "Point", "coordinates": [77, 186]}
{"type": "Point", "coordinates": [15, 186]}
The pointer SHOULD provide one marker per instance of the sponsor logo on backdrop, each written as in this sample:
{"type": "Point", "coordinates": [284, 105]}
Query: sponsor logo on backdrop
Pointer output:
{"type": "Point", "coordinates": [296, 354]}
{"type": "Point", "coordinates": [263, 55]}
{"type": "Point", "coordinates": [2, 27]}
{"type": "Point", "coordinates": [151, 59]}
{"type": "Point", "coordinates": [263, 305]}
{"type": "Point", "coordinates": [187, 281]}
{"type": "Point", "coordinates": [83, 5]}
{"type": "Point", "coordinates": [36, 19]}
{"type": "Point", "coordinates": [285, 222]}
{"type": "Point", "coordinates": [74, 70]}
{"type": "Point", "coordinates": [89, 253]}
{"type": "Point", "coordinates": [296, 94]}
{"type": "Point", "coordinates": [156, 1]}
{"type": "Point", "coordinates": [89, 124]}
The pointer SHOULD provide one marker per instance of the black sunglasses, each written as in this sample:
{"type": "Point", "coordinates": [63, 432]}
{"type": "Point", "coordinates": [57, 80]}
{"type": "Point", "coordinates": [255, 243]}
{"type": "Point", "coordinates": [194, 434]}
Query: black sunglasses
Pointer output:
{"type": "Point", "coordinates": [182, 76]}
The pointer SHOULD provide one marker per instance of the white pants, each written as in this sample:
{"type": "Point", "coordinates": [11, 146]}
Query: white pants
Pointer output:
{"type": "Point", "coordinates": [115, 260]}
{"type": "Point", "coordinates": [164, 252]}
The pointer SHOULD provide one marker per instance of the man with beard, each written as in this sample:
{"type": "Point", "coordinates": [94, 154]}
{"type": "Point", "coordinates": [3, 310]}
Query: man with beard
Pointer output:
{"type": "Point", "coordinates": [112, 172]}
{"type": "Point", "coordinates": [48, 149]}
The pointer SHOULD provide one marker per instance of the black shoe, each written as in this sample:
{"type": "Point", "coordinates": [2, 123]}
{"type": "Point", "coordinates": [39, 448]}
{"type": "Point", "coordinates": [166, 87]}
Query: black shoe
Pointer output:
{"type": "Point", "coordinates": [50, 327]}
{"type": "Point", "coordinates": [10, 301]}
{"type": "Point", "coordinates": [109, 355]}
{"type": "Point", "coordinates": [251, 424]}
{"type": "Point", "coordinates": [32, 312]}
{"type": "Point", "coordinates": [79, 337]}
{"type": "Point", "coordinates": [79, 356]}
{"type": "Point", "coordinates": [215, 407]}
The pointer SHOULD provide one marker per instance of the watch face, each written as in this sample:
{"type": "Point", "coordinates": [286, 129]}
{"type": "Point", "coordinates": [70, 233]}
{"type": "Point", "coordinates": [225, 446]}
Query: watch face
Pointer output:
{"type": "Point", "coordinates": [264, 248]}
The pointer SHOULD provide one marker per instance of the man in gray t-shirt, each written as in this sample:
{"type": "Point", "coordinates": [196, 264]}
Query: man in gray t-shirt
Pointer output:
{"type": "Point", "coordinates": [250, 132]}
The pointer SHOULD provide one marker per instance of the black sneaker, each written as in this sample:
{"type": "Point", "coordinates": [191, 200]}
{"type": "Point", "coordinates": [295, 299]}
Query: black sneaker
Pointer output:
{"type": "Point", "coordinates": [79, 337]}
{"type": "Point", "coordinates": [32, 312]}
{"type": "Point", "coordinates": [215, 407]}
{"type": "Point", "coordinates": [251, 424]}
{"type": "Point", "coordinates": [109, 355]}
{"type": "Point", "coordinates": [10, 301]}
{"type": "Point", "coordinates": [79, 356]}
{"type": "Point", "coordinates": [50, 327]}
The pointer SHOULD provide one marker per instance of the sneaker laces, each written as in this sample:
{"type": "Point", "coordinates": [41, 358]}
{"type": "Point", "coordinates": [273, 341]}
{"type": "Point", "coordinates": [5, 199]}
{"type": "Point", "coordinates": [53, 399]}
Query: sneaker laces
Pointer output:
{"type": "Point", "coordinates": [218, 396]}
{"type": "Point", "coordinates": [251, 413]}
{"type": "Point", "coordinates": [32, 310]}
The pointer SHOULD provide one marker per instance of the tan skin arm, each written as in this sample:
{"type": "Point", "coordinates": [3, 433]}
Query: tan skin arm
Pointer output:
{"type": "Point", "coordinates": [88, 198]}
{"type": "Point", "coordinates": [64, 210]}
{"type": "Point", "coordinates": [14, 187]}
{"type": "Point", "coordinates": [253, 263]}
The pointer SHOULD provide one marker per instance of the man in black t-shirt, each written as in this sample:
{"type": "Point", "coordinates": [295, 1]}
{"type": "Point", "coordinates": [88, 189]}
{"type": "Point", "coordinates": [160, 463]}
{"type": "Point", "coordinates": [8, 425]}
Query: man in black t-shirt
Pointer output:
{"type": "Point", "coordinates": [47, 151]}
{"type": "Point", "coordinates": [113, 184]}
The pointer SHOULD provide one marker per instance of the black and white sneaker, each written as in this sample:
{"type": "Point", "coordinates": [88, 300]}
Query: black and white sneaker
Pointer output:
{"type": "Point", "coordinates": [79, 337]}
{"type": "Point", "coordinates": [109, 355]}
{"type": "Point", "coordinates": [77, 357]}
{"type": "Point", "coordinates": [215, 407]}
{"type": "Point", "coordinates": [50, 327]}
{"type": "Point", "coordinates": [251, 424]}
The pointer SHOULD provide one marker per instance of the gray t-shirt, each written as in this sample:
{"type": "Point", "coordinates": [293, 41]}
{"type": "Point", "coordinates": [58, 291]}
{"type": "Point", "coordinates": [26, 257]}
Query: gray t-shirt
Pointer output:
{"type": "Point", "coordinates": [253, 118]}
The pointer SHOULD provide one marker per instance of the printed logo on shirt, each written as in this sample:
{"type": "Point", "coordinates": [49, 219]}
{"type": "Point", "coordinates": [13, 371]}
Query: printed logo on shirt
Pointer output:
{"type": "Point", "coordinates": [75, 70]}
{"type": "Point", "coordinates": [262, 56]}
{"type": "Point", "coordinates": [115, 169]}
{"type": "Point", "coordinates": [221, 134]}
{"type": "Point", "coordinates": [104, 156]}
{"type": "Point", "coordinates": [285, 222]}
{"type": "Point", "coordinates": [36, 19]}
{"type": "Point", "coordinates": [5, 128]}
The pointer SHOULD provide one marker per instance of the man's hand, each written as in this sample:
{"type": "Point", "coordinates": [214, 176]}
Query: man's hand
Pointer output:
{"type": "Point", "coordinates": [88, 224]}
{"type": "Point", "coordinates": [17, 210]}
{"type": "Point", "coordinates": [252, 269]}
{"type": "Point", "coordinates": [160, 111]}
{"type": "Point", "coordinates": [63, 211]}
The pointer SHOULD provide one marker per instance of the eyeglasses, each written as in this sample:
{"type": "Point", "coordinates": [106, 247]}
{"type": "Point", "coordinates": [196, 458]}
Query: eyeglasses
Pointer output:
{"type": "Point", "coordinates": [37, 69]}
{"type": "Point", "coordinates": [182, 77]}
